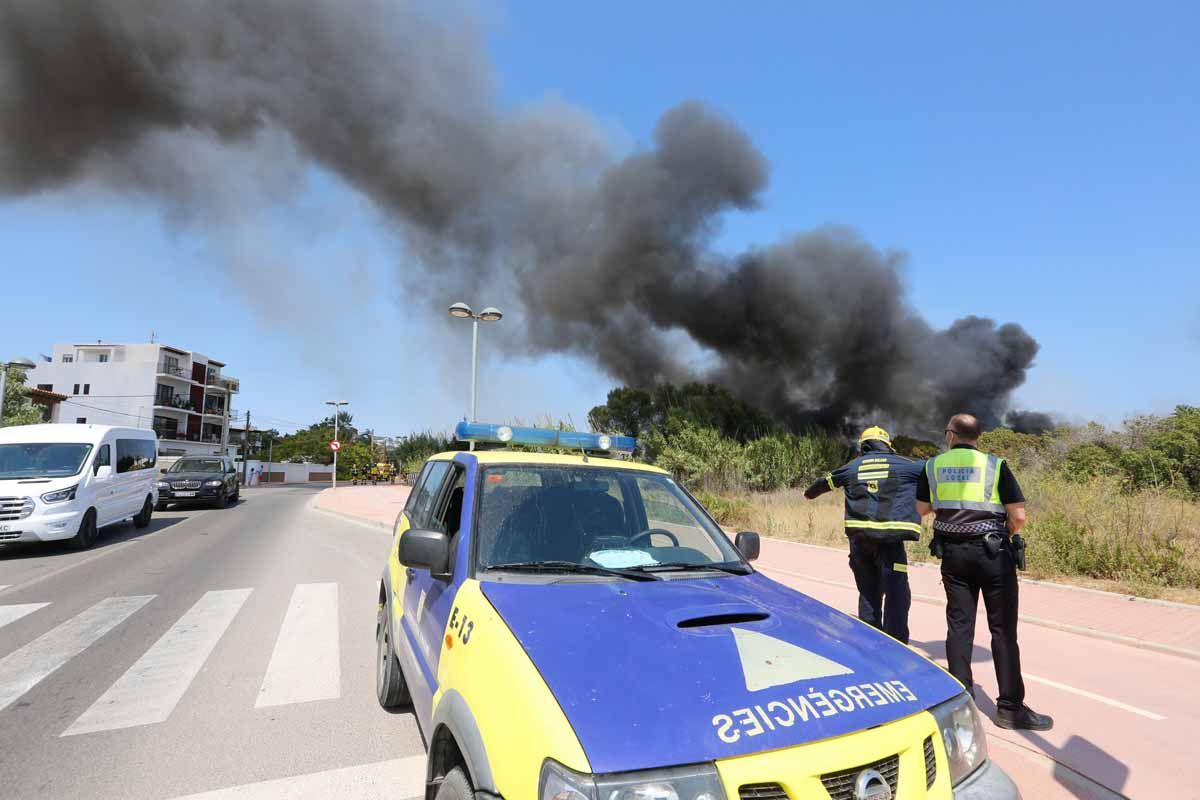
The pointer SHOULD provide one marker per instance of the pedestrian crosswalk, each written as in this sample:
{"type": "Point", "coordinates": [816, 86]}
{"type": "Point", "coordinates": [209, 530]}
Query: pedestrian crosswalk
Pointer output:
{"type": "Point", "coordinates": [304, 664]}
{"type": "Point", "coordinates": [25, 668]}
{"type": "Point", "coordinates": [152, 687]}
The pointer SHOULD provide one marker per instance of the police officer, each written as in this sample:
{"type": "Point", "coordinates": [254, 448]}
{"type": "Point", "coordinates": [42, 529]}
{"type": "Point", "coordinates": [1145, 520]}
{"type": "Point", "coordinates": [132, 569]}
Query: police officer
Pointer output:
{"type": "Point", "coordinates": [978, 508]}
{"type": "Point", "coordinates": [881, 515]}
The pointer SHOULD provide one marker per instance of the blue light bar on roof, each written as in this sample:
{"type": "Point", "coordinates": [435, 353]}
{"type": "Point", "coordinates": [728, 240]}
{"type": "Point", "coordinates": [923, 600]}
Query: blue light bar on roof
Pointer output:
{"type": "Point", "coordinates": [542, 437]}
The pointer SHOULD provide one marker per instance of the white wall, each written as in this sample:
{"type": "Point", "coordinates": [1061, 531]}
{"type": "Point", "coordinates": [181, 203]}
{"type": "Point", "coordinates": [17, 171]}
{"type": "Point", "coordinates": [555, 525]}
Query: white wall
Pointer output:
{"type": "Point", "coordinates": [292, 473]}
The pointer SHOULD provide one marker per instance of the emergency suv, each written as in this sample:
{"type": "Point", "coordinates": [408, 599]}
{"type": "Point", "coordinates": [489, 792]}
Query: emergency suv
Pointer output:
{"type": "Point", "coordinates": [574, 627]}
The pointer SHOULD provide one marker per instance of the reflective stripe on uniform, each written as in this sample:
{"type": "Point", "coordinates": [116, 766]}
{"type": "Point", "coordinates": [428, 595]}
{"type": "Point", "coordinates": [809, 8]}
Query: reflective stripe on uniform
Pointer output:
{"type": "Point", "coordinates": [872, 476]}
{"type": "Point", "coordinates": [899, 567]}
{"type": "Point", "coordinates": [883, 526]}
{"type": "Point", "coordinates": [829, 480]}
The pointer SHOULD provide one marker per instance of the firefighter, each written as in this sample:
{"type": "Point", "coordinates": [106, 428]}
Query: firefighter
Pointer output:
{"type": "Point", "coordinates": [978, 512]}
{"type": "Point", "coordinates": [880, 488]}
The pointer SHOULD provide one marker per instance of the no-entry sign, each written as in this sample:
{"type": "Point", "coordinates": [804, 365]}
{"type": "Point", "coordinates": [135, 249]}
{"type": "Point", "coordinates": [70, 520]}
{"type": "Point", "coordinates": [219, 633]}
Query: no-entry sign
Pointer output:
{"type": "Point", "coordinates": [335, 445]}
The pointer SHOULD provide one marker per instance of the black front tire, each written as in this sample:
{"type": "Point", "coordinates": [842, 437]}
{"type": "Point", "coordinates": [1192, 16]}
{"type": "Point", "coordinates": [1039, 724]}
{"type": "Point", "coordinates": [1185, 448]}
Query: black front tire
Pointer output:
{"type": "Point", "coordinates": [222, 500]}
{"type": "Point", "coordinates": [161, 507]}
{"type": "Point", "coordinates": [455, 786]}
{"type": "Point", "coordinates": [142, 520]}
{"type": "Point", "coordinates": [85, 537]}
{"type": "Point", "coordinates": [390, 688]}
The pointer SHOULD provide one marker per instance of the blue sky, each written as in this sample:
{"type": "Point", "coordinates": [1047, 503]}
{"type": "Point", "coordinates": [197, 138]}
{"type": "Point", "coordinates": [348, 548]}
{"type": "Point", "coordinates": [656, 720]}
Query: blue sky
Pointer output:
{"type": "Point", "coordinates": [1037, 162]}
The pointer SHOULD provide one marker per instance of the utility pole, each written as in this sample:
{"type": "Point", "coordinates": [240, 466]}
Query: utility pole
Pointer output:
{"type": "Point", "coordinates": [225, 427]}
{"type": "Point", "coordinates": [335, 438]}
{"type": "Point", "coordinates": [245, 447]}
{"type": "Point", "coordinates": [270, 454]}
{"type": "Point", "coordinates": [337, 408]}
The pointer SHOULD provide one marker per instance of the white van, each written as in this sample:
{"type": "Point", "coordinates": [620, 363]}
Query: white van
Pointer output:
{"type": "Point", "coordinates": [68, 481]}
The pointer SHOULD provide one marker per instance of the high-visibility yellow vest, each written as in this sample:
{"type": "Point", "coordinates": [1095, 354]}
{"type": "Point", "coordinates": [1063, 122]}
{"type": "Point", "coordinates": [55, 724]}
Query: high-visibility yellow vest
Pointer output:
{"type": "Point", "coordinates": [963, 479]}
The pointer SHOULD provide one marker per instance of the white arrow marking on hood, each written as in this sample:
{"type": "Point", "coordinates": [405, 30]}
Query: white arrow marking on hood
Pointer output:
{"type": "Point", "coordinates": [767, 661]}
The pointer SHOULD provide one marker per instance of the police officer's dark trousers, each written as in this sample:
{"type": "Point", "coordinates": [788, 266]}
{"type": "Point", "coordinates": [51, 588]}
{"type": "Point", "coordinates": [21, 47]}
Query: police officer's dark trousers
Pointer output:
{"type": "Point", "coordinates": [967, 570]}
{"type": "Point", "coordinates": [881, 572]}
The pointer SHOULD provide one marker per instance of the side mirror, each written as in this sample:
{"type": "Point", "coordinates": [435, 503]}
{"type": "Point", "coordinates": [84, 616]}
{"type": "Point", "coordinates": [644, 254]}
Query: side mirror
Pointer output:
{"type": "Point", "coordinates": [162, 471]}
{"type": "Point", "coordinates": [747, 544]}
{"type": "Point", "coordinates": [425, 549]}
{"type": "Point", "coordinates": [102, 471]}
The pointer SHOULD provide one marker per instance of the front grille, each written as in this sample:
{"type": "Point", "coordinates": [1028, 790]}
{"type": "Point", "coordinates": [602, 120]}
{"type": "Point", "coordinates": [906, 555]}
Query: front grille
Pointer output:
{"type": "Point", "coordinates": [840, 784]}
{"type": "Point", "coordinates": [185, 484]}
{"type": "Point", "coordinates": [10, 536]}
{"type": "Point", "coordinates": [930, 763]}
{"type": "Point", "coordinates": [761, 791]}
{"type": "Point", "coordinates": [15, 508]}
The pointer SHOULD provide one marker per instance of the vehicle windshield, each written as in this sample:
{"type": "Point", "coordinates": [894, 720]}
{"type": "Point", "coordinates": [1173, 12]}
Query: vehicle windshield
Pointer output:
{"type": "Point", "coordinates": [594, 517]}
{"type": "Point", "coordinates": [197, 465]}
{"type": "Point", "coordinates": [42, 460]}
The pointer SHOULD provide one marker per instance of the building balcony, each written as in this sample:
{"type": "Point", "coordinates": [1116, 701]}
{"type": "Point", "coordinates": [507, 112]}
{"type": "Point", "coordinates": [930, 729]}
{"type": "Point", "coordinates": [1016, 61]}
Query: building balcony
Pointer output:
{"type": "Point", "coordinates": [213, 411]}
{"type": "Point", "coordinates": [175, 403]}
{"type": "Point", "coordinates": [176, 372]}
{"type": "Point", "coordinates": [221, 384]}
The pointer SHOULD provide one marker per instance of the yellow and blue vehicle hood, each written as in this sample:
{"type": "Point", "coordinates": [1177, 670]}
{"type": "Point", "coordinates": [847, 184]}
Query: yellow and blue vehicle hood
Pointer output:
{"type": "Point", "coordinates": [670, 672]}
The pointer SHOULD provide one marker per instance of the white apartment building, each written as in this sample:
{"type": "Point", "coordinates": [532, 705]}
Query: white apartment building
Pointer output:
{"type": "Point", "coordinates": [182, 394]}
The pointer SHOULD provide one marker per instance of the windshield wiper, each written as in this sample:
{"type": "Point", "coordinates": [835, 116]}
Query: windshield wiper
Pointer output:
{"type": "Point", "coordinates": [680, 566]}
{"type": "Point", "coordinates": [571, 567]}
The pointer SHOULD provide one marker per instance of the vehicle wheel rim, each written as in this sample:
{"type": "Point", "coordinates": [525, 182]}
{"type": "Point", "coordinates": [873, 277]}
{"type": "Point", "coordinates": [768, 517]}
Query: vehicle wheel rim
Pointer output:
{"type": "Point", "coordinates": [381, 661]}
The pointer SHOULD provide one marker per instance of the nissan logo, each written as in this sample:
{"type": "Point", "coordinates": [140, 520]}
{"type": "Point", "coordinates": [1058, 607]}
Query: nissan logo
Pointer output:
{"type": "Point", "coordinates": [871, 786]}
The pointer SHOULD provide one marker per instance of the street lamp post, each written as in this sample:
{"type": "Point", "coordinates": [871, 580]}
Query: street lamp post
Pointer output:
{"type": "Point", "coordinates": [337, 406]}
{"type": "Point", "coordinates": [489, 314]}
{"type": "Point", "coordinates": [18, 363]}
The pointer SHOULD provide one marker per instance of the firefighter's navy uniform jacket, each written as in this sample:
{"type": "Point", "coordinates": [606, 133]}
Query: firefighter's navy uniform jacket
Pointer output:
{"type": "Point", "coordinates": [881, 514]}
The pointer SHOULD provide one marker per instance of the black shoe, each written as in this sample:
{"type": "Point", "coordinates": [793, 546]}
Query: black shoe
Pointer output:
{"type": "Point", "coordinates": [1023, 719]}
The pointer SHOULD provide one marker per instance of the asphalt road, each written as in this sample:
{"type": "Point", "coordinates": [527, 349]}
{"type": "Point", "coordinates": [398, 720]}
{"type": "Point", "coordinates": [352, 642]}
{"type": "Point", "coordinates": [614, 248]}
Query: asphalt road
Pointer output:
{"type": "Point", "coordinates": [227, 652]}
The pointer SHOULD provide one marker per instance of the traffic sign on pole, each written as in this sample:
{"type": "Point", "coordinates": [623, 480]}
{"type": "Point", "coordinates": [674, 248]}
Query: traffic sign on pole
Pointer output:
{"type": "Point", "coordinates": [335, 445]}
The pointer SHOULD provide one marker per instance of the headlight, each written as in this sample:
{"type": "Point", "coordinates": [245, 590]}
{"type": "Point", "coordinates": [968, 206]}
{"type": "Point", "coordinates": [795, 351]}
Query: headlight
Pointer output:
{"type": "Point", "coordinates": [212, 483]}
{"type": "Point", "coordinates": [695, 782]}
{"type": "Point", "coordinates": [962, 732]}
{"type": "Point", "coordinates": [60, 495]}
{"type": "Point", "coordinates": [164, 485]}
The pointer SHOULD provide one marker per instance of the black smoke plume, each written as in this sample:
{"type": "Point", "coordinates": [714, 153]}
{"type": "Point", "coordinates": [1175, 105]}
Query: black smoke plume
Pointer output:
{"type": "Point", "coordinates": [608, 256]}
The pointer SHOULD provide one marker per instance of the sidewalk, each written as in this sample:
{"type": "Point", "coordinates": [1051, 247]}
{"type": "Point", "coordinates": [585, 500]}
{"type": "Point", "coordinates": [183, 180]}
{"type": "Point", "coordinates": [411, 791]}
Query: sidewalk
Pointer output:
{"type": "Point", "coordinates": [378, 505]}
{"type": "Point", "coordinates": [1149, 624]}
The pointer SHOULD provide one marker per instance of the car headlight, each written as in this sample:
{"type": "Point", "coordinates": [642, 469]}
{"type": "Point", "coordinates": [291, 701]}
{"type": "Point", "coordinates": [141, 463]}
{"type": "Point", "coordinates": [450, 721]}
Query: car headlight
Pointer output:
{"type": "Point", "coordinates": [212, 483]}
{"type": "Point", "coordinates": [694, 782]}
{"type": "Point", "coordinates": [61, 495]}
{"type": "Point", "coordinates": [961, 726]}
{"type": "Point", "coordinates": [164, 485]}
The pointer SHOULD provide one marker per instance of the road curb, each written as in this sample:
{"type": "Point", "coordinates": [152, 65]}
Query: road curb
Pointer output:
{"type": "Point", "coordinates": [1132, 598]}
{"type": "Point", "coordinates": [1064, 773]}
{"type": "Point", "coordinates": [383, 526]}
{"type": "Point", "coordinates": [1065, 627]}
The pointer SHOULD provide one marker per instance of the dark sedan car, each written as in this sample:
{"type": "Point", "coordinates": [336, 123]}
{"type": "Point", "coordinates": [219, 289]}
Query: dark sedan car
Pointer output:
{"type": "Point", "coordinates": [199, 480]}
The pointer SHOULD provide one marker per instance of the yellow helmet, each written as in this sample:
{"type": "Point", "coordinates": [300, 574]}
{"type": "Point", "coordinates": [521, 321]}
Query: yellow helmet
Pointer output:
{"type": "Point", "coordinates": [875, 432]}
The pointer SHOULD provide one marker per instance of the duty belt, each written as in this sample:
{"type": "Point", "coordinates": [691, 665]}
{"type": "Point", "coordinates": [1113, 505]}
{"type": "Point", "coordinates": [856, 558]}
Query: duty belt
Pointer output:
{"type": "Point", "coordinates": [971, 529]}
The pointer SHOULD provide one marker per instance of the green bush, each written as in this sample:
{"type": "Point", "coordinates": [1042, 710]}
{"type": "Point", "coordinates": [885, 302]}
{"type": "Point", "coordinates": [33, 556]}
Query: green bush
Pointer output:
{"type": "Point", "coordinates": [698, 457]}
{"type": "Point", "coordinates": [1091, 460]}
{"type": "Point", "coordinates": [727, 511]}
